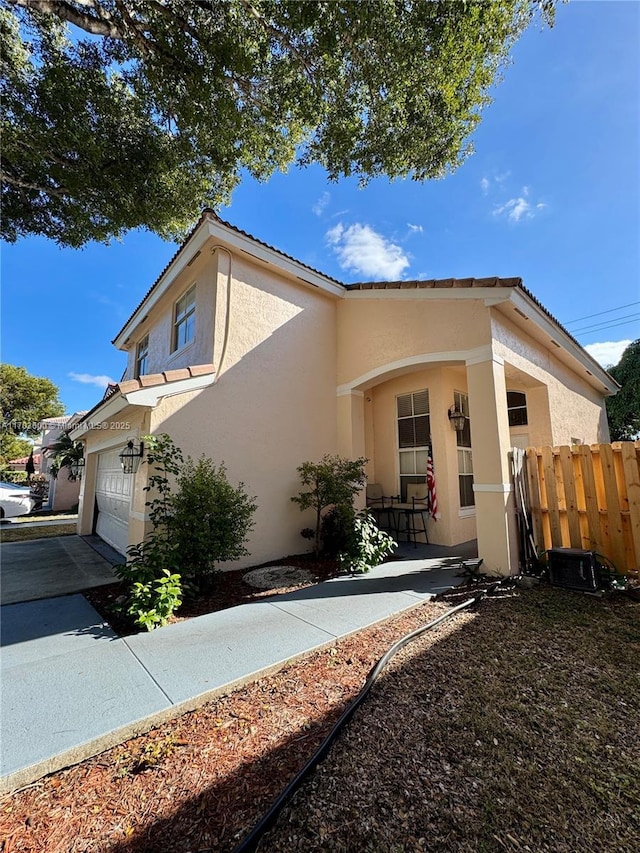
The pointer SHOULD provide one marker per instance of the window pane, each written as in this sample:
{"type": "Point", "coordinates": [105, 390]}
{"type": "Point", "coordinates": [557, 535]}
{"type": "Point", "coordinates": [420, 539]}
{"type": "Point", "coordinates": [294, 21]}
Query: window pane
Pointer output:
{"type": "Point", "coordinates": [421, 462]}
{"type": "Point", "coordinates": [407, 463]}
{"type": "Point", "coordinates": [422, 431]}
{"type": "Point", "coordinates": [406, 433]}
{"type": "Point", "coordinates": [517, 417]}
{"type": "Point", "coordinates": [421, 403]}
{"type": "Point", "coordinates": [467, 497]}
{"type": "Point", "coordinates": [404, 406]}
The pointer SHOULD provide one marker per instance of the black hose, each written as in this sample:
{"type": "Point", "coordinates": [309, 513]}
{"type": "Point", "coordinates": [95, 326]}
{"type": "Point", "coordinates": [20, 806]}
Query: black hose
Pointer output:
{"type": "Point", "coordinates": [251, 841]}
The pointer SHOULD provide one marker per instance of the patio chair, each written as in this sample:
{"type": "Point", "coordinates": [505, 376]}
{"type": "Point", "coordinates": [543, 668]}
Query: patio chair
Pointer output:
{"type": "Point", "coordinates": [415, 510]}
{"type": "Point", "coordinates": [381, 506]}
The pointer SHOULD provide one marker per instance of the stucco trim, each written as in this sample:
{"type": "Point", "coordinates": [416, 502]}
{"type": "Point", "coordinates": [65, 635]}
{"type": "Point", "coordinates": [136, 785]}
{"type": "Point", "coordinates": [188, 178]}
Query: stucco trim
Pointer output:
{"type": "Point", "coordinates": [483, 354]}
{"type": "Point", "coordinates": [368, 378]}
{"type": "Point", "coordinates": [499, 294]}
{"type": "Point", "coordinates": [151, 396]}
{"type": "Point", "coordinates": [349, 392]}
{"type": "Point", "coordinates": [493, 487]}
{"type": "Point", "coordinates": [597, 376]}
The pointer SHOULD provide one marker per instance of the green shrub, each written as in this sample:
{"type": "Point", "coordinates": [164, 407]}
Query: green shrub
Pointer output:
{"type": "Point", "coordinates": [211, 520]}
{"type": "Point", "coordinates": [151, 604]}
{"type": "Point", "coordinates": [336, 530]}
{"type": "Point", "coordinates": [367, 545]}
{"type": "Point", "coordinates": [334, 481]}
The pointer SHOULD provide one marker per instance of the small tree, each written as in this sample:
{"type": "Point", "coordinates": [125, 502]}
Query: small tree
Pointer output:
{"type": "Point", "coordinates": [334, 481]}
{"type": "Point", "coordinates": [211, 519]}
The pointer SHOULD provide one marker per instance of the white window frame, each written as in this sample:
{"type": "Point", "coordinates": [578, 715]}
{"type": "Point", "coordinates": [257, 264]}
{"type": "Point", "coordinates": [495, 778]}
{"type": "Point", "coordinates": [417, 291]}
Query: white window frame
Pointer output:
{"type": "Point", "coordinates": [464, 454]}
{"type": "Point", "coordinates": [413, 450]}
{"type": "Point", "coordinates": [184, 312]}
{"type": "Point", "coordinates": [142, 357]}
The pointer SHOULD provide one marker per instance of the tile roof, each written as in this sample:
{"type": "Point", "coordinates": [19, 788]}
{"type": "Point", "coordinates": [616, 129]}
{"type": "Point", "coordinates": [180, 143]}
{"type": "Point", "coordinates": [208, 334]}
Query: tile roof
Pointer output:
{"type": "Point", "coordinates": [435, 283]}
{"type": "Point", "coordinates": [151, 380]}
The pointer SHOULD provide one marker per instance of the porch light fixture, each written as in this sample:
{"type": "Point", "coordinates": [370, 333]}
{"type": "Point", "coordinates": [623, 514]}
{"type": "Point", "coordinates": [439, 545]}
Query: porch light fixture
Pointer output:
{"type": "Point", "coordinates": [76, 468]}
{"type": "Point", "coordinates": [457, 418]}
{"type": "Point", "coordinates": [130, 457]}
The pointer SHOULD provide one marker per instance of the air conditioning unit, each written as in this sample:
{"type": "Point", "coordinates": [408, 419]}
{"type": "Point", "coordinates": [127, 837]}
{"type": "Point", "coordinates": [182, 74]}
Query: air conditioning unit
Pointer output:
{"type": "Point", "coordinates": [574, 569]}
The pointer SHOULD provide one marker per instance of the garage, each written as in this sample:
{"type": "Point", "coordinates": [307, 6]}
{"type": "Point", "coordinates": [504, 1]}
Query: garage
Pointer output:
{"type": "Point", "coordinates": [113, 497]}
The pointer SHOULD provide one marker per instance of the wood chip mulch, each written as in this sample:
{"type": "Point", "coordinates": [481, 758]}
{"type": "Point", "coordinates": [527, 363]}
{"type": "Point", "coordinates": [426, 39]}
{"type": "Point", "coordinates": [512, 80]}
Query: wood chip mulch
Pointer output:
{"type": "Point", "coordinates": [512, 727]}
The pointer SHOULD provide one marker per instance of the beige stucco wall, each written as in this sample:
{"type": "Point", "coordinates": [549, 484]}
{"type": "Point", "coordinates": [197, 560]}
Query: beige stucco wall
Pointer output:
{"type": "Point", "coordinates": [564, 405]}
{"type": "Point", "coordinates": [158, 324]}
{"type": "Point", "coordinates": [375, 332]}
{"type": "Point", "coordinates": [274, 402]}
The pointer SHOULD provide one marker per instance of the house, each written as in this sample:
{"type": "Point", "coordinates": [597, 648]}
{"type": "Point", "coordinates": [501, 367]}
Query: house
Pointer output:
{"type": "Point", "coordinates": [243, 353]}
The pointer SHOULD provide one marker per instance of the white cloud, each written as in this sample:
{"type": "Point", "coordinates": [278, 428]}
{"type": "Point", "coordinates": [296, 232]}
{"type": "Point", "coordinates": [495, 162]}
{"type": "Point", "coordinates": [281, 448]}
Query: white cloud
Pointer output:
{"type": "Point", "coordinates": [517, 209]}
{"type": "Point", "coordinates": [360, 249]}
{"type": "Point", "coordinates": [484, 185]}
{"type": "Point", "coordinates": [319, 206]}
{"type": "Point", "coordinates": [607, 352]}
{"type": "Point", "coordinates": [90, 379]}
{"type": "Point", "coordinates": [415, 229]}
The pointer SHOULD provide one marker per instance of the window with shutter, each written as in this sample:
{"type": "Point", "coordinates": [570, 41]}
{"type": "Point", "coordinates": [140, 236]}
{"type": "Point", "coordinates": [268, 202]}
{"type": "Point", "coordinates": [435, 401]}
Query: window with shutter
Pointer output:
{"type": "Point", "coordinates": [414, 438]}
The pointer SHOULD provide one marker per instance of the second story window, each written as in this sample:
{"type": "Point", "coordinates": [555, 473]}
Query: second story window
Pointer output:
{"type": "Point", "coordinates": [142, 357]}
{"type": "Point", "coordinates": [184, 324]}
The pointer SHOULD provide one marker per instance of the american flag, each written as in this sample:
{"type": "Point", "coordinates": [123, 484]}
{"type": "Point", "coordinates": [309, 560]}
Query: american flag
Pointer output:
{"type": "Point", "coordinates": [431, 488]}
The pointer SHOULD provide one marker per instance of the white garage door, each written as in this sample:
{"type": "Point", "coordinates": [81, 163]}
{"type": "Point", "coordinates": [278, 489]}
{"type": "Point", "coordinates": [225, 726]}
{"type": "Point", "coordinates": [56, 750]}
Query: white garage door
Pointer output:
{"type": "Point", "coordinates": [113, 495]}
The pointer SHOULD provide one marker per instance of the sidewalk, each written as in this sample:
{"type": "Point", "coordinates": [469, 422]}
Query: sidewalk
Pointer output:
{"type": "Point", "coordinates": [71, 688]}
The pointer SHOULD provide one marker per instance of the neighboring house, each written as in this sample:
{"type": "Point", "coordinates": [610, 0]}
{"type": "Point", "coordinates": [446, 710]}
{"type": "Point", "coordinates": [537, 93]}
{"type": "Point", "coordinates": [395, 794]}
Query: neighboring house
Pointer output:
{"type": "Point", "coordinates": [64, 493]}
{"type": "Point", "coordinates": [250, 357]}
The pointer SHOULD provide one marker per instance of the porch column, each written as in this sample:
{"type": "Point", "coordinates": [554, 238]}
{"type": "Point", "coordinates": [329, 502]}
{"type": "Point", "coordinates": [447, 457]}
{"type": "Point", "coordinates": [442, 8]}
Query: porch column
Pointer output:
{"type": "Point", "coordinates": [351, 436]}
{"type": "Point", "coordinates": [490, 442]}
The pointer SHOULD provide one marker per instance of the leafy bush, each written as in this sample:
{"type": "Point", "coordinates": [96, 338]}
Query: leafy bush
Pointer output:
{"type": "Point", "coordinates": [334, 481]}
{"type": "Point", "coordinates": [367, 545]}
{"type": "Point", "coordinates": [211, 519]}
{"type": "Point", "coordinates": [336, 530]}
{"type": "Point", "coordinates": [151, 604]}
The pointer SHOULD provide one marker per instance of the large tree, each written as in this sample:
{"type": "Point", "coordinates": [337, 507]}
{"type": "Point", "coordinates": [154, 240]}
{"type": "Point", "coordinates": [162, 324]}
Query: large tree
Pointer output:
{"type": "Point", "coordinates": [26, 401]}
{"type": "Point", "coordinates": [623, 410]}
{"type": "Point", "coordinates": [125, 113]}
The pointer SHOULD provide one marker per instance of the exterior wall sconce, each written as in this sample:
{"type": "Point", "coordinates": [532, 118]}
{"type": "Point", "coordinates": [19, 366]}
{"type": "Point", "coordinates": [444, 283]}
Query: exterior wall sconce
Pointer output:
{"type": "Point", "coordinates": [76, 468]}
{"type": "Point", "coordinates": [457, 418]}
{"type": "Point", "coordinates": [130, 457]}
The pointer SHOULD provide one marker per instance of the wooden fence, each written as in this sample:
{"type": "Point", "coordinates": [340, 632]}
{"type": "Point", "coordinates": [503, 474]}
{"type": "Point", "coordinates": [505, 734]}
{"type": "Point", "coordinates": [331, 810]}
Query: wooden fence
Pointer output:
{"type": "Point", "coordinates": [587, 497]}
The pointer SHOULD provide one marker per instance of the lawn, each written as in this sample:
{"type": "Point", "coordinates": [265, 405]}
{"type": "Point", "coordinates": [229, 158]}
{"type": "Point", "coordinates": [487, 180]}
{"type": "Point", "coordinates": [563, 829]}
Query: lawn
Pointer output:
{"type": "Point", "coordinates": [22, 533]}
{"type": "Point", "coordinates": [514, 727]}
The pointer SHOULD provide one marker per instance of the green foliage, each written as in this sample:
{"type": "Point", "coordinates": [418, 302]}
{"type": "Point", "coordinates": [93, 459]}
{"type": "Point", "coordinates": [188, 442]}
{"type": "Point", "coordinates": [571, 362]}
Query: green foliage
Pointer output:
{"type": "Point", "coordinates": [119, 115]}
{"type": "Point", "coordinates": [13, 447]}
{"type": "Point", "coordinates": [211, 518]}
{"type": "Point", "coordinates": [150, 562]}
{"type": "Point", "coordinates": [335, 530]}
{"type": "Point", "coordinates": [623, 410]}
{"type": "Point", "coordinates": [334, 481]}
{"type": "Point", "coordinates": [151, 604]}
{"type": "Point", "coordinates": [64, 453]}
{"type": "Point", "coordinates": [26, 401]}
{"type": "Point", "coordinates": [367, 545]}
{"type": "Point", "coordinates": [198, 518]}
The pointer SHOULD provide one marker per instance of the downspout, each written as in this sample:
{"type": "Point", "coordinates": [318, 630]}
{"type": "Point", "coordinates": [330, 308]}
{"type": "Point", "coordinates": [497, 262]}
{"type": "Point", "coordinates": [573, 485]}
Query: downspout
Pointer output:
{"type": "Point", "coordinates": [227, 319]}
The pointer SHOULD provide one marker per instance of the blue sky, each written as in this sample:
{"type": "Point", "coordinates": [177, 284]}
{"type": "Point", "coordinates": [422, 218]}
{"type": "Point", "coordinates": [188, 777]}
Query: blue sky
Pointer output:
{"type": "Point", "coordinates": [551, 194]}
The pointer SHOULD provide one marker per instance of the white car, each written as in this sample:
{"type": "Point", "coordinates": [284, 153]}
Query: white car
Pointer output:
{"type": "Point", "coordinates": [15, 500]}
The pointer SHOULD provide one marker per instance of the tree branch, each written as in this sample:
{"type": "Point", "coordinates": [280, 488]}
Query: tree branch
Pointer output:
{"type": "Point", "coordinates": [66, 11]}
{"type": "Point", "coordinates": [61, 192]}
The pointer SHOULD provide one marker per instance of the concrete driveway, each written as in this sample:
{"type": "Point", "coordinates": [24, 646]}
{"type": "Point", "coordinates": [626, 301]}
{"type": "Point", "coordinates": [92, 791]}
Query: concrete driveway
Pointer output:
{"type": "Point", "coordinates": [43, 568]}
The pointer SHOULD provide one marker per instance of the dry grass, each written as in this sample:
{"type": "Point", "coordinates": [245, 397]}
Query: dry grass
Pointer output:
{"type": "Point", "coordinates": [20, 533]}
{"type": "Point", "coordinates": [512, 728]}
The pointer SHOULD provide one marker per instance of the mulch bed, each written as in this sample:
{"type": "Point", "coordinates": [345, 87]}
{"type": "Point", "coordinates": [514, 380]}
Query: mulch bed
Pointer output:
{"type": "Point", "coordinates": [510, 728]}
{"type": "Point", "coordinates": [230, 590]}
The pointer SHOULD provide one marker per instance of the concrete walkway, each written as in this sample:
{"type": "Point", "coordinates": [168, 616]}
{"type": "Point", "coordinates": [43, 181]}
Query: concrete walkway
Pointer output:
{"type": "Point", "coordinates": [71, 688]}
{"type": "Point", "coordinates": [42, 568]}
